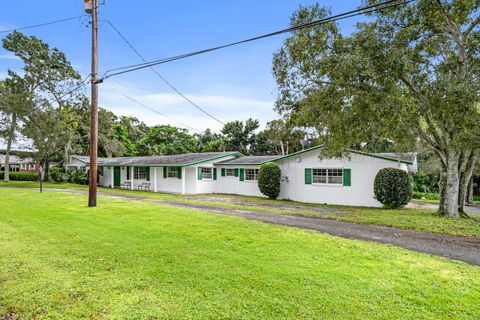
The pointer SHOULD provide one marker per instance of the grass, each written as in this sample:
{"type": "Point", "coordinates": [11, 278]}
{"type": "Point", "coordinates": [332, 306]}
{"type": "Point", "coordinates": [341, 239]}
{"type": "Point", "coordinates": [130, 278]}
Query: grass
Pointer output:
{"type": "Point", "coordinates": [408, 219]}
{"type": "Point", "coordinates": [132, 260]}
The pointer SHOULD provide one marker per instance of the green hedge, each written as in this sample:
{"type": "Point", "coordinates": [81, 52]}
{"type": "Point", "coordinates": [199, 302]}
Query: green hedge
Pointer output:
{"type": "Point", "coordinates": [21, 176]}
{"type": "Point", "coordinates": [392, 188]}
{"type": "Point", "coordinates": [269, 179]}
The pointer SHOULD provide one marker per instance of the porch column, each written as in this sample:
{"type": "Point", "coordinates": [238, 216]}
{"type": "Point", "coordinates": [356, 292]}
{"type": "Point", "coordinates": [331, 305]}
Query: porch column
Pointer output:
{"type": "Point", "coordinates": [131, 178]}
{"type": "Point", "coordinates": [112, 173]}
{"type": "Point", "coordinates": [155, 179]}
{"type": "Point", "coordinates": [183, 180]}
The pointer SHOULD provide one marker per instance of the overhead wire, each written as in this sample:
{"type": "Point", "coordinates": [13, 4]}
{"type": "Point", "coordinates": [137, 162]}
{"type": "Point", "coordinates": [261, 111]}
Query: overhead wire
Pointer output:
{"type": "Point", "coordinates": [360, 11]}
{"type": "Point", "coordinates": [143, 105]}
{"type": "Point", "coordinates": [160, 76]}
{"type": "Point", "coordinates": [41, 24]}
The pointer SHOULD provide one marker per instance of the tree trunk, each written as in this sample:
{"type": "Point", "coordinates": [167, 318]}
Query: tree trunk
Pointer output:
{"type": "Point", "coordinates": [442, 183]}
{"type": "Point", "coordinates": [282, 148]}
{"type": "Point", "coordinates": [452, 183]}
{"type": "Point", "coordinates": [470, 192]}
{"type": "Point", "coordinates": [465, 177]}
{"type": "Point", "coordinates": [10, 138]}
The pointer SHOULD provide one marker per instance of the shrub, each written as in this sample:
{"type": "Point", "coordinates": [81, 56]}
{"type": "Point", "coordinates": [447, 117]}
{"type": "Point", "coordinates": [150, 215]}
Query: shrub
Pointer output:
{"type": "Point", "coordinates": [79, 177]}
{"type": "Point", "coordinates": [425, 182]}
{"type": "Point", "coordinates": [426, 195]}
{"type": "Point", "coordinates": [58, 174]}
{"type": "Point", "coordinates": [21, 176]}
{"type": "Point", "coordinates": [269, 179]}
{"type": "Point", "coordinates": [392, 188]}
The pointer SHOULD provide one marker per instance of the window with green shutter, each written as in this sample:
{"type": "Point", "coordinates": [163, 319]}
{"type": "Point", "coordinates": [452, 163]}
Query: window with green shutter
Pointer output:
{"type": "Point", "coordinates": [148, 173]}
{"type": "Point", "coordinates": [214, 173]}
{"type": "Point", "coordinates": [308, 176]}
{"type": "Point", "coordinates": [164, 172]}
{"type": "Point", "coordinates": [223, 172]}
{"type": "Point", "coordinates": [235, 172]}
{"type": "Point", "coordinates": [199, 173]}
{"type": "Point", "coordinates": [347, 177]}
{"type": "Point", "coordinates": [242, 174]}
{"type": "Point", "coordinates": [128, 173]}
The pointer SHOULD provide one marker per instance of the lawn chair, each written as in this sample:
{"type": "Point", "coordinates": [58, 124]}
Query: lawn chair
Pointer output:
{"type": "Point", "coordinates": [145, 186]}
{"type": "Point", "coordinates": [126, 185]}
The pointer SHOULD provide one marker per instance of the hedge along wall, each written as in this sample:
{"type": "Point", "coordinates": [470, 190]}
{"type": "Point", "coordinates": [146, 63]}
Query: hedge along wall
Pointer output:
{"type": "Point", "coordinates": [21, 176]}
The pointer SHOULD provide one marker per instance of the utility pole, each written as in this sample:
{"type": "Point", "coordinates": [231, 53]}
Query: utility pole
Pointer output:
{"type": "Point", "coordinates": [92, 186]}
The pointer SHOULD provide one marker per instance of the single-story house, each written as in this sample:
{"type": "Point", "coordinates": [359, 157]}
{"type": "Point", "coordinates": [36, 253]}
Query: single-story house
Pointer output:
{"type": "Point", "coordinates": [306, 177]}
{"type": "Point", "coordinates": [19, 164]}
{"type": "Point", "coordinates": [76, 162]}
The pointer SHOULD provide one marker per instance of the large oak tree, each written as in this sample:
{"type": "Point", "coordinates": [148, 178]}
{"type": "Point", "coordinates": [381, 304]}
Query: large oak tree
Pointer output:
{"type": "Point", "coordinates": [411, 74]}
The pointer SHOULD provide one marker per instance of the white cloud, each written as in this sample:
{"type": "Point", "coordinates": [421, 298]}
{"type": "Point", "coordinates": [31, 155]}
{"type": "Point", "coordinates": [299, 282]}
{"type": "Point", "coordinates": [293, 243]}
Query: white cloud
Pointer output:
{"type": "Point", "coordinates": [8, 56]}
{"type": "Point", "coordinates": [224, 107]}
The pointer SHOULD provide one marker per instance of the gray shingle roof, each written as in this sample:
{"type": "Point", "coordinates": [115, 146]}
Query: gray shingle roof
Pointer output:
{"type": "Point", "coordinates": [407, 156]}
{"type": "Point", "coordinates": [178, 159]}
{"type": "Point", "coordinates": [249, 160]}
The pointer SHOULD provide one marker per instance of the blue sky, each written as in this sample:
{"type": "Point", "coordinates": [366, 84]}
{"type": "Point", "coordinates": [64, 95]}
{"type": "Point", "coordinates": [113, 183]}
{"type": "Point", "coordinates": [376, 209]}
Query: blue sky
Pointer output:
{"type": "Point", "coordinates": [234, 83]}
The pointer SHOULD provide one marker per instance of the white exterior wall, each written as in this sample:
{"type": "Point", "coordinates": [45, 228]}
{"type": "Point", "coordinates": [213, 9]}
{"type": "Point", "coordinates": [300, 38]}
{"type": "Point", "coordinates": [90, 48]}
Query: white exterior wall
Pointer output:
{"type": "Point", "coordinates": [360, 193]}
{"type": "Point", "coordinates": [233, 185]}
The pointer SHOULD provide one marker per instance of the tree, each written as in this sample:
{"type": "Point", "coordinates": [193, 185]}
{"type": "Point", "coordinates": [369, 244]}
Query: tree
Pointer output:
{"type": "Point", "coordinates": [209, 141]}
{"type": "Point", "coordinates": [48, 78]}
{"type": "Point", "coordinates": [14, 104]}
{"type": "Point", "coordinates": [412, 73]}
{"type": "Point", "coordinates": [240, 136]}
{"type": "Point", "coordinates": [284, 136]}
{"type": "Point", "coordinates": [166, 140]}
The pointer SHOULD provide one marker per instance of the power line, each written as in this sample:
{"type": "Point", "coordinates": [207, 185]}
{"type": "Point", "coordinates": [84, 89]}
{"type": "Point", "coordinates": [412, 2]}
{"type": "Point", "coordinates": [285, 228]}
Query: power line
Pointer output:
{"type": "Point", "coordinates": [361, 11]}
{"type": "Point", "coordinates": [150, 108]}
{"type": "Point", "coordinates": [160, 76]}
{"type": "Point", "coordinates": [41, 24]}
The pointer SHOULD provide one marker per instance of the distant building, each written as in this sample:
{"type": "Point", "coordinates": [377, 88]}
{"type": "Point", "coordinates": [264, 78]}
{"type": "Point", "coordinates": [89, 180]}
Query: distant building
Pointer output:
{"type": "Point", "coordinates": [18, 163]}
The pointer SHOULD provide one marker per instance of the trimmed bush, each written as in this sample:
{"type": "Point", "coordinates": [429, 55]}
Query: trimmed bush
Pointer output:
{"type": "Point", "coordinates": [58, 174]}
{"type": "Point", "coordinates": [269, 178]}
{"type": "Point", "coordinates": [21, 176]}
{"type": "Point", "coordinates": [392, 188]}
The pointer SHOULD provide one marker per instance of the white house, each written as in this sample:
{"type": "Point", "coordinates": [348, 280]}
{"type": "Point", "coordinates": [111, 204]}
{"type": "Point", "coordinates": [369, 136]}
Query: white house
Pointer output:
{"type": "Point", "coordinates": [306, 177]}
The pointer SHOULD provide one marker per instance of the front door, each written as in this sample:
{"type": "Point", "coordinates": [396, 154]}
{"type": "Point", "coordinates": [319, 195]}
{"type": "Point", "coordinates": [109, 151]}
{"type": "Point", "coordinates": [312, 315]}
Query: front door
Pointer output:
{"type": "Point", "coordinates": [116, 176]}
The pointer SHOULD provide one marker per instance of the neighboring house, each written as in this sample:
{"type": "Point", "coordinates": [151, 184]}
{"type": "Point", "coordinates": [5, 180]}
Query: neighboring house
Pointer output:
{"type": "Point", "coordinates": [19, 164]}
{"type": "Point", "coordinates": [305, 176]}
{"type": "Point", "coordinates": [80, 163]}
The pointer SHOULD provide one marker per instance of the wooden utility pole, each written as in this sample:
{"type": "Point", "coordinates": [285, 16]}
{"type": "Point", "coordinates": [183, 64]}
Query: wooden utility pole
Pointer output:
{"type": "Point", "coordinates": [92, 186]}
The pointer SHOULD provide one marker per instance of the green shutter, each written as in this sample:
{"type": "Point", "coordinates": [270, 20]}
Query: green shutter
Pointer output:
{"type": "Point", "coordinates": [179, 172]}
{"type": "Point", "coordinates": [242, 174]}
{"type": "Point", "coordinates": [308, 176]}
{"type": "Point", "coordinates": [164, 172]}
{"type": "Point", "coordinates": [223, 172]}
{"type": "Point", "coordinates": [235, 172]}
{"type": "Point", "coordinates": [199, 173]}
{"type": "Point", "coordinates": [148, 173]}
{"type": "Point", "coordinates": [128, 173]}
{"type": "Point", "coordinates": [347, 177]}
{"type": "Point", "coordinates": [214, 173]}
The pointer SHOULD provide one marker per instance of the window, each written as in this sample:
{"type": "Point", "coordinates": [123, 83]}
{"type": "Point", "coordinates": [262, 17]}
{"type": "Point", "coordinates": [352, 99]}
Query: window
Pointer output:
{"type": "Point", "coordinates": [319, 175]}
{"type": "Point", "coordinates": [140, 173]}
{"type": "Point", "coordinates": [230, 172]}
{"type": "Point", "coordinates": [251, 174]}
{"type": "Point", "coordinates": [207, 174]}
{"type": "Point", "coordinates": [172, 172]}
{"type": "Point", "coordinates": [327, 176]}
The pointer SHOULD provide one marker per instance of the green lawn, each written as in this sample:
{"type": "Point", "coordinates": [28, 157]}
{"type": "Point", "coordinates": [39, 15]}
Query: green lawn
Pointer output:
{"type": "Point", "coordinates": [409, 219]}
{"type": "Point", "coordinates": [132, 260]}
